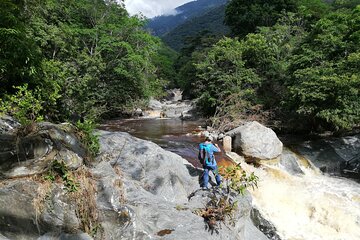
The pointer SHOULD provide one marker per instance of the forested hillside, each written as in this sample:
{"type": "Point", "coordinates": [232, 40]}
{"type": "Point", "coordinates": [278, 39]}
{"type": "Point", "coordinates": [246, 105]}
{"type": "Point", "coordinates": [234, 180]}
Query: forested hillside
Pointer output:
{"type": "Point", "coordinates": [211, 22]}
{"type": "Point", "coordinates": [84, 59]}
{"type": "Point", "coordinates": [292, 64]}
{"type": "Point", "coordinates": [162, 24]}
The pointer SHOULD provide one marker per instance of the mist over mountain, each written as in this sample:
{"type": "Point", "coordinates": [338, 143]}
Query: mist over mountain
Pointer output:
{"type": "Point", "coordinates": [194, 15]}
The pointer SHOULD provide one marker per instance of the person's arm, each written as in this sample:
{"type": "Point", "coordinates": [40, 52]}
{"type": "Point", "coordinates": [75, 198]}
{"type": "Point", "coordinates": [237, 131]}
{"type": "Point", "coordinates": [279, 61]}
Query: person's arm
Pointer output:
{"type": "Point", "coordinates": [216, 147]}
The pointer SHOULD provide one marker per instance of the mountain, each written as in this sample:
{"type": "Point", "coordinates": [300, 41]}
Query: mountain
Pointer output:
{"type": "Point", "coordinates": [163, 24]}
{"type": "Point", "coordinates": [210, 22]}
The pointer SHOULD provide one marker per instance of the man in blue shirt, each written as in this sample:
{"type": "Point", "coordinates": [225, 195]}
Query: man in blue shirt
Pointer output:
{"type": "Point", "coordinates": [206, 152]}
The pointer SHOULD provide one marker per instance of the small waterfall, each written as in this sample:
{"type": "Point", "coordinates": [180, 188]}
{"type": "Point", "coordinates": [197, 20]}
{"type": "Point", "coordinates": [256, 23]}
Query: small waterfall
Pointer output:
{"type": "Point", "coordinates": [304, 204]}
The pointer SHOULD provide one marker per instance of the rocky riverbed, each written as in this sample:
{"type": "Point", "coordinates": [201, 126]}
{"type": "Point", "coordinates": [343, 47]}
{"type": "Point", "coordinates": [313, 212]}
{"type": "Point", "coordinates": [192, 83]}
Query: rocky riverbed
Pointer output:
{"type": "Point", "coordinates": [133, 190]}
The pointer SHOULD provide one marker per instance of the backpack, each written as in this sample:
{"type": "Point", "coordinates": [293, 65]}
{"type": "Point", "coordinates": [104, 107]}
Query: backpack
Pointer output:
{"type": "Point", "coordinates": [204, 155]}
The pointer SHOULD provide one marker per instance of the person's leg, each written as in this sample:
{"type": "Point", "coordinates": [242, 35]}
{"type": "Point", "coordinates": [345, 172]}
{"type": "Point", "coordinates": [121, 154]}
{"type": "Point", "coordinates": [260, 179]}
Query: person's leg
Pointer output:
{"type": "Point", "coordinates": [205, 177]}
{"type": "Point", "coordinates": [217, 176]}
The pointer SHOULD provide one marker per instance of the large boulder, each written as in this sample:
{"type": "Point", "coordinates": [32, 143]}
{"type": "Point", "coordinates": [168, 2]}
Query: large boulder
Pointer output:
{"type": "Point", "coordinates": [256, 141]}
{"type": "Point", "coordinates": [157, 185]}
{"type": "Point", "coordinates": [33, 153]}
{"type": "Point", "coordinates": [338, 156]}
{"type": "Point", "coordinates": [134, 190]}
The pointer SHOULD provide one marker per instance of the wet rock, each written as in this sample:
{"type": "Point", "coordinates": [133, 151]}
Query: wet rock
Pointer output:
{"type": "Point", "coordinates": [264, 225]}
{"type": "Point", "coordinates": [338, 156]}
{"type": "Point", "coordinates": [289, 161]}
{"type": "Point", "coordinates": [256, 141]}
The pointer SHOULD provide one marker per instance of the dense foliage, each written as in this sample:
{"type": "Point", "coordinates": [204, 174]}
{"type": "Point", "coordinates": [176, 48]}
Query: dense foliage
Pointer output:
{"type": "Point", "coordinates": [288, 63]}
{"type": "Point", "coordinates": [76, 59]}
{"type": "Point", "coordinates": [296, 66]}
{"type": "Point", "coordinates": [244, 16]}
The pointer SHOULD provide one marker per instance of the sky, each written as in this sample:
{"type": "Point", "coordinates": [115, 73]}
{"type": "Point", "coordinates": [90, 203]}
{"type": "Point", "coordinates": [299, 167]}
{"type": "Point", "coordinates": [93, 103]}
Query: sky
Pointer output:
{"type": "Point", "coordinates": [152, 8]}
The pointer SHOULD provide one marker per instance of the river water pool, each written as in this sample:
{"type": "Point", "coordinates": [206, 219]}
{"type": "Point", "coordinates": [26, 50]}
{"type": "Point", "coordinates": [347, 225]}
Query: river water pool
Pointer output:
{"type": "Point", "coordinates": [175, 135]}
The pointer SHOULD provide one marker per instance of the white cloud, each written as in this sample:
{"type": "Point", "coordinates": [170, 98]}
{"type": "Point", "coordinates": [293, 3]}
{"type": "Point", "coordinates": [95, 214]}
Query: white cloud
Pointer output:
{"type": "Point", "coordinates": [152, 8]}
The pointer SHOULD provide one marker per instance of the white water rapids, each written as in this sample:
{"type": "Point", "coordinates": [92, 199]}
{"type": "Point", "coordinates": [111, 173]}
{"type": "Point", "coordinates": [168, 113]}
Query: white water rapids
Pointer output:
{"type": "Point", "coordinates": [311, 206]}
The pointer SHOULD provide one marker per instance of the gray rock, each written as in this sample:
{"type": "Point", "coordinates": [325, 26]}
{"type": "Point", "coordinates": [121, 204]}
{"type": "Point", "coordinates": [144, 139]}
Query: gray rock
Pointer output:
{"type": "Point", "coordinates": [256, 141]}
{"type": "Point", "coordinates": [334, 155]}
{"type": "Point", "coordinates": [19, 218]}
{"type": "Point", "coordinates": [17, 214]}
{"type": "Point", "coordinates": [155, 104]}
{"type": "Point", "coordinates": [2, 237]}
{"type": "Point", "coordinates": [138, 112]}
{"type": "Point", "coordinates": [65, 236]}
{"type": "Point", "coordinates": [142, 192]}
{"type": "Point", "coordinates": [174, 95]}
{"type": "Point", "coordinates": [33, 153]}
{"type": "Point", "coordinates": [221, 136]}
{"type": "Point", "coordinates": [8, 124]}
{"type": "Point", "coordinates": [156, 185]}
{"type": "Point", "coordinates": [289, 162]}
{"type": "Point", "coordinates": [59, 213]}
{"type": "Point", "coordinates": [264, 225]}
{"type": "Point", "coordinates": [178, 109]}
{"type": "Point", "coordinates": [71, 159]}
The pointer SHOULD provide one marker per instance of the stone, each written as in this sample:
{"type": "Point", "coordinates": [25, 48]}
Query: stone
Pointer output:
{"type": "Point", "coordinates": [338, 156]}
{"type": "Point", "coordinates": [174, 95]}
{"type": "Point", "coordinates": [157, 184]}
{"type": "Point", "coordinates": [142, 192]}
{"type": "Point", "coordinates": [256, 141]}
{"type": "Point", "coordinates": [155, 104]}
{"type": "Point", "coordinates": [138, 112]}
{"type": "Point", "coordinates": [289, 162]}
{"type": "Point", "coordinates": [34, 152]}
{"type": "Point", "coordinates": [221, 136]}
{"type": "Point", "coordinates": [71, 159]}
{"type": "Point", "coordinates": [8, 124]}
{"type": "Point", "coordinates": [65, 236]}
{"type": "Point", "coordinates": [227, 143]}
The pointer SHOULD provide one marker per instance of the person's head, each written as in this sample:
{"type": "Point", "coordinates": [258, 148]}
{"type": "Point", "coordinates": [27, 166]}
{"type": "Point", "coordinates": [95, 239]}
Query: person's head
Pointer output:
{"type": "Point", "coordinates": [209, 139]}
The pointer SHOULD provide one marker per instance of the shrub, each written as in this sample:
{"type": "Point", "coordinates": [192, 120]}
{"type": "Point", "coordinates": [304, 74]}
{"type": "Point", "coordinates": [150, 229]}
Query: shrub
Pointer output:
{"type": "Point", "coordinates": [25, 105]}
{"type": "Point", "coordinates": [88, 138]}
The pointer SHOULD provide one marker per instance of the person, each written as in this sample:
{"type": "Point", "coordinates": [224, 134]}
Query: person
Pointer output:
{"type": "Point", "coordinates": [206, 156]}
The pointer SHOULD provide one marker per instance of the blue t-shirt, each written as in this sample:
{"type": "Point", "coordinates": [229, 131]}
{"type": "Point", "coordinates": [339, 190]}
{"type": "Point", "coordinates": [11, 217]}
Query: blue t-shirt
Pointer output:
{"type": "Point", "coordinates": [211, 149]}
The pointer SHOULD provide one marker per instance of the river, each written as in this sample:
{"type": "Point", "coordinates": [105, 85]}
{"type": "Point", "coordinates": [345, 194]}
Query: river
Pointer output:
{"type": "Point", "coordinates": [306, 206]}
{"type": "Point", "coordinates": [175, 135]}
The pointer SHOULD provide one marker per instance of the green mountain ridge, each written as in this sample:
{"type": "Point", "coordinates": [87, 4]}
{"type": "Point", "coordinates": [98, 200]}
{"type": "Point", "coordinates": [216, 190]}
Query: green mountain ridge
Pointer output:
{"type": "Point", "coordinates": [212, 22]}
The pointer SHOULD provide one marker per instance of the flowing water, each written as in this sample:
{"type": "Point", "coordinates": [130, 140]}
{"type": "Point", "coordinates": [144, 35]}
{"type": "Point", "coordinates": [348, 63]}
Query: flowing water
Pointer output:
{"type": "Point", "coordinates": [175, 135]}
{"type": "Point", "coordinates": [306, 206]}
